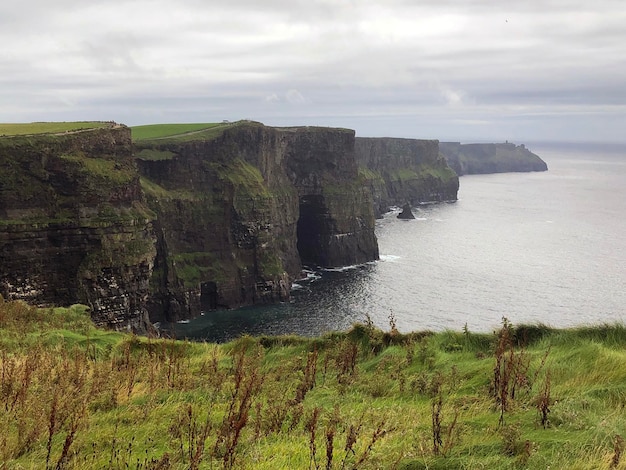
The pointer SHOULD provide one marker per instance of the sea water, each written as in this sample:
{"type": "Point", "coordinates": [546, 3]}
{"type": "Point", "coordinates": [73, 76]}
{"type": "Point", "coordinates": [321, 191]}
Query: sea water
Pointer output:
{"type": "Point", "coordinates": [546, 247]}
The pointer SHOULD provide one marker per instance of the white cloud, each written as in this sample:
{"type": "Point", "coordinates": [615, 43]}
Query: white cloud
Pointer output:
{"type": "Point", "coordinates": [452, 97]}
{"type": "Point", "coordinates": [295, 97]}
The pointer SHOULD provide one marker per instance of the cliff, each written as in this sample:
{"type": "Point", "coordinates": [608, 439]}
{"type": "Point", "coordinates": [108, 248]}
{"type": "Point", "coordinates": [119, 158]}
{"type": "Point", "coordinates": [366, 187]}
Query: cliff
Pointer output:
{"type": "Point", "coordinates": [242, 206]}
{"type": "Point", "coordinates": [185, 218]}
{"type": "Point", "coordinates": [73, 224]}
{"type": "Point", "coordinates": [401, 171]}
{"type": "Point", "coordinates": [490, 158]}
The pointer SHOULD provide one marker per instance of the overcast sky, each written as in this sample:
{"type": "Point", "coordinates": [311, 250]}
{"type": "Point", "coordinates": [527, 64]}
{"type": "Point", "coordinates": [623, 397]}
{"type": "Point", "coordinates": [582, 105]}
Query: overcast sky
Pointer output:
{"type": "Point", "coordinates": [466, 70]}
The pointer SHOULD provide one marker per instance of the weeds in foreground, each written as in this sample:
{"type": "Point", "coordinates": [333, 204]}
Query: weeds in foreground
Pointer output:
{"type": "Point", "coordinates": [544, 402]}
{"type": "Point", "coordinates": [511, 373]}
{"type": "Point", "coordinates": [363, 399]}
{"type": "Point", "coordinates": [618, 450]}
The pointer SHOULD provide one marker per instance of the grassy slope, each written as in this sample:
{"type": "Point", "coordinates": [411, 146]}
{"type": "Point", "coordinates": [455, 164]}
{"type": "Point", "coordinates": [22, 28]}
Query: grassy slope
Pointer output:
{"type": "Point", "coordinates": [48, 127]}
{"type": "Point", "coordinates": [155, 133]}
{"type": "Point", "coordinates": [112, 400]}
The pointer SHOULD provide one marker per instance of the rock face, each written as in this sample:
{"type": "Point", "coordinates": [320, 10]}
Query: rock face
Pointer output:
{"type": "Point", "coordinates": [239, 213]}
{"type": "Point", "coordinates": [73, 225]}
{"type": "Point", "coordinates": [400, 171]}
{"type": "Point", "coordinates": [490, 158]}
{"type": "Point", "coordinates": [161, 229]}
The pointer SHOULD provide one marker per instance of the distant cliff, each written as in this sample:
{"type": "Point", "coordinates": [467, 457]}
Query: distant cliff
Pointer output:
{"type": "Point", "coordinates": [490, 158]}
{"type": "Point", "coordinates": [401, 171]}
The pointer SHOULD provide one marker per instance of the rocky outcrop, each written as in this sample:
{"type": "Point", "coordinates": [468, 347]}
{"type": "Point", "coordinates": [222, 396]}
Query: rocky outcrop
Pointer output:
{"type": "Point", "coordinates": [400, 171]}
{"type": "Point", "coordinates": [238, 213]}
{"type": "Point", "coordinates": [73, 225]}
{"type": "Point", "coordinates": [490, 158]}
{"type": "Point", "coordinates": [407, 213]}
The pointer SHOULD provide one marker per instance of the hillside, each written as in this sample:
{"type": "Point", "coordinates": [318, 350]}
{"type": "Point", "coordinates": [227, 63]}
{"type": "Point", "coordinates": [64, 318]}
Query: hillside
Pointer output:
{"type": "Point", "coordinates": [73, 396]}
{"type": "Point", "coordinates": [34, 128]}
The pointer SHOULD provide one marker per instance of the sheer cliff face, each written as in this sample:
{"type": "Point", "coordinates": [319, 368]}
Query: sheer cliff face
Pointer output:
{"type": "Point", "coordinates": [73, 226]}
{"type": "Point", "coordinates": [401, 171]}
{"type": "Point", "coordinates": [490, 158]}
{"type": "Point", "coordinates": [336, 220]}
{"type": "Point", "coordinates": [238, 214]}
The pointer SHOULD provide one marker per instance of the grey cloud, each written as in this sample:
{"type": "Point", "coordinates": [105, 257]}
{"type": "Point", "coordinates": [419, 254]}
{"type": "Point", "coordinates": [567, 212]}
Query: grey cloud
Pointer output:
{"type": "Point", "coordinates": [451, 65]}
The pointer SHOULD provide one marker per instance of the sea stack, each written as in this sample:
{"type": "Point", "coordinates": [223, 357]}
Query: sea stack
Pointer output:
{"type": "Point", "coordinates": [406, 212]}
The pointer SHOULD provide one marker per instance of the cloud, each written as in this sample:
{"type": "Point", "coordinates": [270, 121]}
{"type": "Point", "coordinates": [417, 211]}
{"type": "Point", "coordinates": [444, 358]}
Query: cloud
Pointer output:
{"type": "Point", "coordinates": [452, 97]}
{"type": "Point", "coordinates": [295, 97]}
{"type": "Point", "coordinates": [398, 66]}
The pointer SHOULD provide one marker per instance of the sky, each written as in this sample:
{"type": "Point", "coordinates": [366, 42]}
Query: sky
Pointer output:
{"type": "Point", "coordinates": [463, 70]}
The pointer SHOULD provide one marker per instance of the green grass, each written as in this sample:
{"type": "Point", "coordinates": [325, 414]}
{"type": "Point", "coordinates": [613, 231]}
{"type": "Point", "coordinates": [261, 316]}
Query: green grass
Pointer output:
{"type": "Point", "coordinates": [177, 132]}
{"type": "Point", "coordinates": [155, 155]}
{"type": "Point", "coordinates": [443, 173]}
{"type": "Point", "coordinates": [193, 268]}
{"type": "Point", "coordinates": [11, 129]}
{"type": "Point", "coordinates": [244, 177]}
{"type": "Point", "coordinates": [103, 169]}
{"type": "Point", "coordinates": [154, 190]}
{"type": "Point", "coordinates": [366, 174]}
{"type": "Point", "coordinates": [77, 397]}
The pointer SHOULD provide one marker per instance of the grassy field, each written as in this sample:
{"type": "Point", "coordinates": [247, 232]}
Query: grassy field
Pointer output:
{"type": "Point", "coordinates": [72, 396]}
{"type": "Point", "coordinates": [176, 132]}
{"type": "Point", "coordinates": [48, 127]}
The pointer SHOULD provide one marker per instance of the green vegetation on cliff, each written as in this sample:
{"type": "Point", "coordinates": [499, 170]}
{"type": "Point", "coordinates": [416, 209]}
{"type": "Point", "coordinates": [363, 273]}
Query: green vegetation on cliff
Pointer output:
{"type": "Point", "coordinates": [101, 171]}
{"type": "Point", "coordinates": [245, 178]}
{"type": "Point", "coordinates": [72, 396]}
{"type": "Point", "coordinates": [194, 268]}
{"type": "Point", "coordinates": [438, 172]}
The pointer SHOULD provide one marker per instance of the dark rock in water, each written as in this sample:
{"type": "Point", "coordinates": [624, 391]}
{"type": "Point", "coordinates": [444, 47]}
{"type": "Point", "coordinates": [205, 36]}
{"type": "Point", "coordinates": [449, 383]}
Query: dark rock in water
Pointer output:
{"type": "Point", "coordinates": [406, 212]}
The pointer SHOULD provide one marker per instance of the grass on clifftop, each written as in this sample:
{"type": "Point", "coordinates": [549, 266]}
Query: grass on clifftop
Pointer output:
{"type": "Point", "coordinates": [176, 132]}
{"type": "Point", "coordinates": [72, 396]}
{"type": "Point", "coordinates": [10, 129]}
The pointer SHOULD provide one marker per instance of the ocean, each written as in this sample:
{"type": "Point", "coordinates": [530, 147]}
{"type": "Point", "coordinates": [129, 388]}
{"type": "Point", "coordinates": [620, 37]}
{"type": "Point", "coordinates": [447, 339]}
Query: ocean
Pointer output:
{"type": "Point", "coordinates": [537, 248]}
